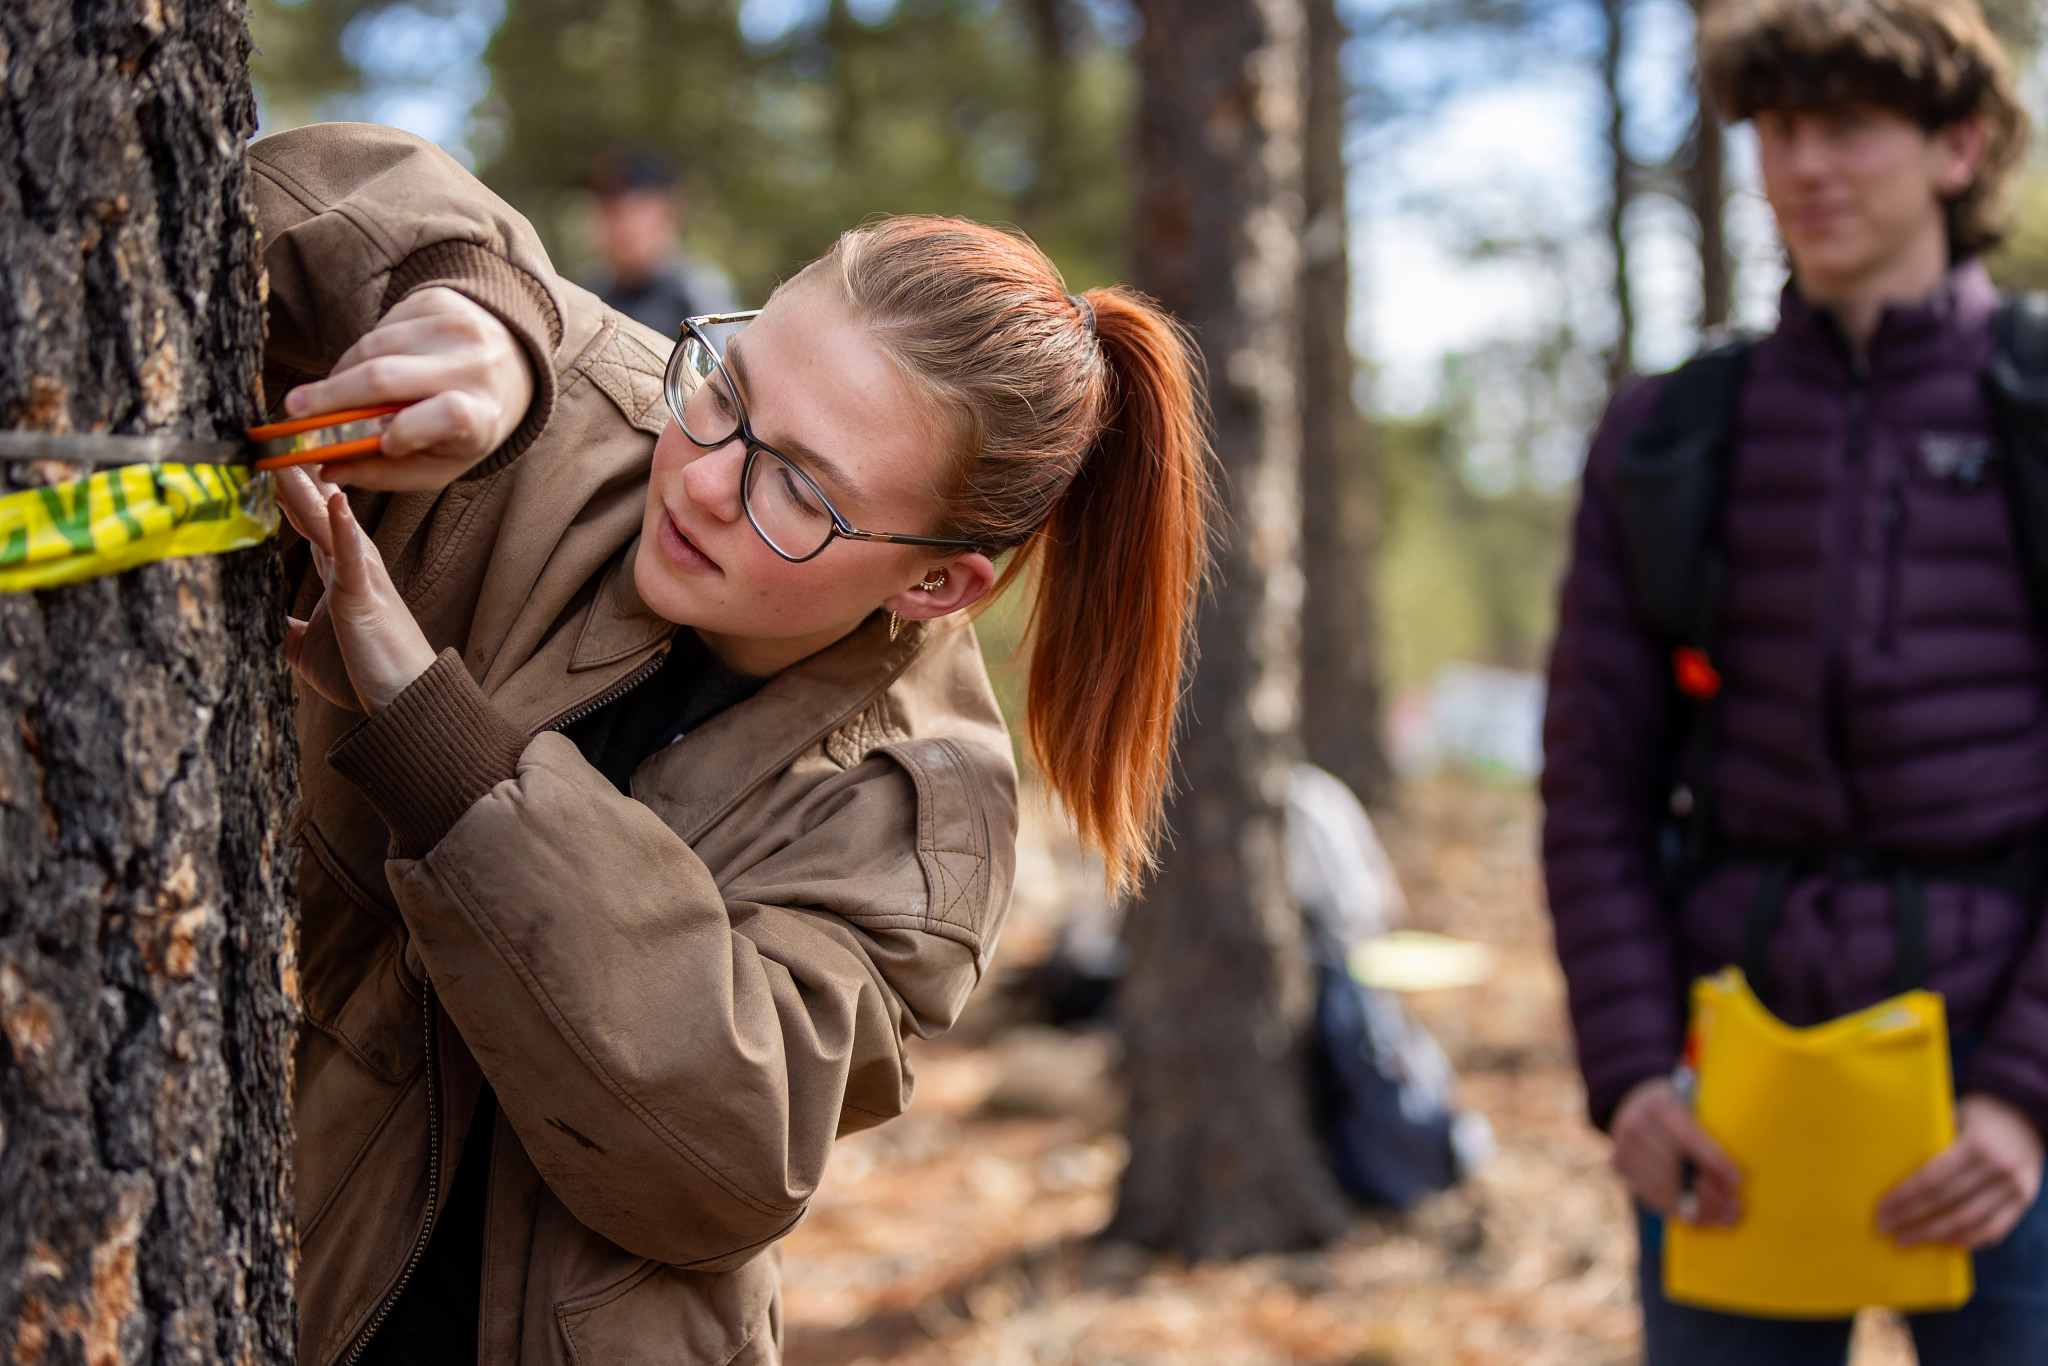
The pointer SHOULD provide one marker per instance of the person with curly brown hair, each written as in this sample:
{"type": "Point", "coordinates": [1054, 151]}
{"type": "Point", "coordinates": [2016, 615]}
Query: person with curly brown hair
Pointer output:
{"type": "Point", "coordinates": [1872, 787]}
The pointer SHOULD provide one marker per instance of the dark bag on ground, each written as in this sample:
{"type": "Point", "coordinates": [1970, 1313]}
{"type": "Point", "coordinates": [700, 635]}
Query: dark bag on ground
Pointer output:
{"type": "Point", "coordinates": [1385, 1094]}
{"type": "Point", "coordinates": [1386, 1097]}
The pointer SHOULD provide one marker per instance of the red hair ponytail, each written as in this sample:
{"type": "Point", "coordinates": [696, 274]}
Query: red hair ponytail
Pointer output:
{"type": "Point", "coordinates": [1081, 436]}
{"type": "Point", "coordinates": [1121, 560]}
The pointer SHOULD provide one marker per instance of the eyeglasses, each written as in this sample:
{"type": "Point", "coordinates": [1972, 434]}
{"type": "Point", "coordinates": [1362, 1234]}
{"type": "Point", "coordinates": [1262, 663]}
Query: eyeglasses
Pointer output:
{"type": "Point", "coordinates": [788, 509]}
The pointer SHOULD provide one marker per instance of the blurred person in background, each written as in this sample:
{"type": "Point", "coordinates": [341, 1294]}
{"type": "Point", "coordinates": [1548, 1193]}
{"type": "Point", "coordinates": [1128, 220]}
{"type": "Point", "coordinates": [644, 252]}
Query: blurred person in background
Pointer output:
{"type": "Point", "coordinates": [643, 270]}
{"type": "Point", "coordinates": [1878, 688]}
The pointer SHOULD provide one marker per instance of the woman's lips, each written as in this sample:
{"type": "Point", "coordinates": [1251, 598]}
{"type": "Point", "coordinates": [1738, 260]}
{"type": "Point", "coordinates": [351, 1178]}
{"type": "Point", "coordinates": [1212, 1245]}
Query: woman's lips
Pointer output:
{"type": "Point", "coordinates": [681, 550]}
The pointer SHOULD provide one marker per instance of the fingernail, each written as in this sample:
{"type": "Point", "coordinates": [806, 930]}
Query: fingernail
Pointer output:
{"type": "Point", "coordinates": [295, 402]}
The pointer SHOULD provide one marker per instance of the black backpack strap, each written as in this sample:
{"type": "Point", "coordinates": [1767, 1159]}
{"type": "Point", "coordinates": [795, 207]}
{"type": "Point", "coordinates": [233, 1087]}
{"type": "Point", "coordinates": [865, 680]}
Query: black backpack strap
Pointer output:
{"type": "Point", "coordinates": [1667, 488]}
{"type": "Point", "coordinates": [2017, 385]}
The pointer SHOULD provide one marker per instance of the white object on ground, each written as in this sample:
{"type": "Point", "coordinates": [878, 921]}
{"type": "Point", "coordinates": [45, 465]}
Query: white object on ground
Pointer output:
{"type": "Point", "coordinates": [1415, 960]}
{"type": "Point", "coordinates": [1336, 865]}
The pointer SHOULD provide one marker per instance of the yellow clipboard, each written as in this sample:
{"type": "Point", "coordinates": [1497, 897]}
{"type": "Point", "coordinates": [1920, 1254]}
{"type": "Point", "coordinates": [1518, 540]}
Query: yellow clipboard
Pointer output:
{"type": "Point", "coordinates": [1822, 1121]}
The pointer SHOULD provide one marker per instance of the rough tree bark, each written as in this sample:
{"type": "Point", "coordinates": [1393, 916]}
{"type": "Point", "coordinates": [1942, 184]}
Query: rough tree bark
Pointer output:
{"type": "Point", "coordinates": [1340, 681]}
{"type": "Point", "coordinates": [1621, 360]}
{"type": "Point", "coordinates": [146, 754]}
{"type": "Point", "coordinates": [1224, 1161]}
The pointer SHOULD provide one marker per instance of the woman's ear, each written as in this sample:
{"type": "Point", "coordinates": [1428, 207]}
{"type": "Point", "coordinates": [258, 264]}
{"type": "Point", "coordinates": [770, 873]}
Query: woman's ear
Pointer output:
{"type": "Point", "coordinates": [967, 579]}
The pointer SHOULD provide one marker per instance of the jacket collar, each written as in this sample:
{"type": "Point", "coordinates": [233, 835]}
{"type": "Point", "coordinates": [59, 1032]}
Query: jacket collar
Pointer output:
{"type": "Point", "coordinates": [1913, 335]}
{"type": "Point", "coordinates": [696, 781]}
{"type": "Point", "coordinates": [620, 624]}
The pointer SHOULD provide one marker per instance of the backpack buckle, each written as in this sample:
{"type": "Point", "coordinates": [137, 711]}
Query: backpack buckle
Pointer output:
{"type": "Point", "coordinates": [1696, 675]}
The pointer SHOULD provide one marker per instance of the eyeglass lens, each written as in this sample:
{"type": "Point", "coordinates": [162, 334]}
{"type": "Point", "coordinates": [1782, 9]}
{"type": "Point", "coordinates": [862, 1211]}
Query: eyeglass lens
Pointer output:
{"type": "Point", "coordinates": [784, 507]}
{"type": "Point", "coordinates": [779, 500]}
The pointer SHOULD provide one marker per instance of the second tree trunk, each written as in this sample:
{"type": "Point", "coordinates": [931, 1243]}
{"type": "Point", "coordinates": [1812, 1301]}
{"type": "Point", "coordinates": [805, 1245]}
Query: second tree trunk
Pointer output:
{"type": "Point", "coordinates": [1218, 992]}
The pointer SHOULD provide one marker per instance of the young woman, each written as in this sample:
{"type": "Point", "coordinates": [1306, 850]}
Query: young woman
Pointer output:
{"type": "Point", "coordinates": [654, 789]}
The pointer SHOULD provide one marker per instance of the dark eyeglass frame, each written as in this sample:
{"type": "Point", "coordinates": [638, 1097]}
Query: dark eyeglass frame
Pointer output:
{"type": "Point", "coordinates": [672, 390]}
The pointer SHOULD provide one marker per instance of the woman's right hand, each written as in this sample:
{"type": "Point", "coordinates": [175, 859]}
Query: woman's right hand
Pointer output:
{"type": "Point", "coordinates": [467, 378]}
{"type": "Point", "coordinates": [1655, 1135]}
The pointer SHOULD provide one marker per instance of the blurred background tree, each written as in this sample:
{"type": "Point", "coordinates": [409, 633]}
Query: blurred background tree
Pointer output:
{"type": "Point", "coordinates": [1214, 1007]}
{"type": "Point", "coordinates": [1340, 515]}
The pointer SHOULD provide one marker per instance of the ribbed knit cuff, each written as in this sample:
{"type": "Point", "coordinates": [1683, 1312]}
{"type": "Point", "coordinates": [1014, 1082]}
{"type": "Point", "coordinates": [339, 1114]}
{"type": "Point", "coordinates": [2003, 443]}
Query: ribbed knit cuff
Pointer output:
{"type": "Point", "coordinates": [426, 758]}
{"type": "Point", "coordinates": [517, 299]}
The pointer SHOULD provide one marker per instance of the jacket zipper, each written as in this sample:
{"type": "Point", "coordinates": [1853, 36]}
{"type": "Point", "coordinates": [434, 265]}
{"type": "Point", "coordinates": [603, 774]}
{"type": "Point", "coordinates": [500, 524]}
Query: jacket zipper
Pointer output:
{"type": "Point", "coordinates": [634, 680]}
{"type": "Point", "coordinates": [1893, 518]}
{"type": "Point", "coordinates": [419, 1243]}
{"type": "Point", "coordinates": [1838, 623]}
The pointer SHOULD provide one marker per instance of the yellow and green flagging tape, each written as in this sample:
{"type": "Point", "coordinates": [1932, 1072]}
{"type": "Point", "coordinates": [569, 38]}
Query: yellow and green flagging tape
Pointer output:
{"type": "Point", "coordinates": [116, 519]}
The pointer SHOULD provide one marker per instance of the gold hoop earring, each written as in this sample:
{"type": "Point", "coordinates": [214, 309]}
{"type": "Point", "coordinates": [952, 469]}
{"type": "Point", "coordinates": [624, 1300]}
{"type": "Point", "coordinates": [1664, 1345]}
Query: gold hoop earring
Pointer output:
{"type": "Point", "coordinates": [930, 585]}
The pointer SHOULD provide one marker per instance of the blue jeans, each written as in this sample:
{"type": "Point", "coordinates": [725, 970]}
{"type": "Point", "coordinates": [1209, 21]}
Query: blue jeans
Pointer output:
{"type": "Point", "coordinates": [2004, 1324]}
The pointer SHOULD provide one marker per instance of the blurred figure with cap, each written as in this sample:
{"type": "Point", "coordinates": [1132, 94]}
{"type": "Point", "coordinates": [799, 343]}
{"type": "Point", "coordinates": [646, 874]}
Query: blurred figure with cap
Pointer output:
{"type": "Point", "coordinates": [645, 273]}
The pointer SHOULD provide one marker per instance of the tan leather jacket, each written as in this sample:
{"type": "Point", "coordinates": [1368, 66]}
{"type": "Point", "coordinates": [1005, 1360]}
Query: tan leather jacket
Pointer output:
{"type": "Point", "coordinates": [681, 998]}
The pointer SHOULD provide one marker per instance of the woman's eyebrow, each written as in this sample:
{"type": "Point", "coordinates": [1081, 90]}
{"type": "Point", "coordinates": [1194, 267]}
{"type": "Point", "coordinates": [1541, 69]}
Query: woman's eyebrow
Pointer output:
{"type": "Point", "coordinates": [832, 470]}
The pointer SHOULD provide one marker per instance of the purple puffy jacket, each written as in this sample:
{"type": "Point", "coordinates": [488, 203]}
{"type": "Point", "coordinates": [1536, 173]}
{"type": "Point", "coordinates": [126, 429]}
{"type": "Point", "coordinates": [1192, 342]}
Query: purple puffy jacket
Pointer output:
{"type": "Point", "coordinates": [1882, 682]}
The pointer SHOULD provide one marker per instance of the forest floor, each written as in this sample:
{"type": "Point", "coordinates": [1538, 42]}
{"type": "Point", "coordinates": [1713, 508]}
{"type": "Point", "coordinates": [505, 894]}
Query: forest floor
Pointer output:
{"type": "Point", "coordinates": [964, 1233]}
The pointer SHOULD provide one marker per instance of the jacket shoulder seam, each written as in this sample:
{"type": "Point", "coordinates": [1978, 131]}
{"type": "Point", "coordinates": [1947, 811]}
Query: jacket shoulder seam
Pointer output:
{"type": "Point", "coordinates": [286, 181]}
{"type": "Point", "coordinates": [316, 206]}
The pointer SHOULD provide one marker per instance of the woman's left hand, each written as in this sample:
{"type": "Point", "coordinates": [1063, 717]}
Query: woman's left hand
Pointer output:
{"type": "Point", "coordinates": [360, 648]}
{"type": "Point", "coordinates": [1971, 1193]}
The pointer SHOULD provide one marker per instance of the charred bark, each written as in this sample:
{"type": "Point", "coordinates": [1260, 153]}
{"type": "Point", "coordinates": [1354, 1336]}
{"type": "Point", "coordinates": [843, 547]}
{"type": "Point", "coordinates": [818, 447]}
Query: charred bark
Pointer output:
{"type": "Point", "coordinates": [146, 754]}
{"type": "Point", "coordinates": [1340, 682]}
{"type": "Point", "coordinates": [1213, 1005]}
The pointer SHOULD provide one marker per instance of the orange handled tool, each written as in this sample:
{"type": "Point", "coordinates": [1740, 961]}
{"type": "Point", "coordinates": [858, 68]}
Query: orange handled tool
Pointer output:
{"type": "Point", "coordinates": [326, 439]}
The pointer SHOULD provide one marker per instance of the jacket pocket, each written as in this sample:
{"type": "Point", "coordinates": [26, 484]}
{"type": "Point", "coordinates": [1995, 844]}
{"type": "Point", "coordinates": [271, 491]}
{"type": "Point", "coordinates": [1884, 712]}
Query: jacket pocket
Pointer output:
{"type": "Point", "coordinates": [355, 986]}
{"type": "Point", "coordinates": [654, 1313]}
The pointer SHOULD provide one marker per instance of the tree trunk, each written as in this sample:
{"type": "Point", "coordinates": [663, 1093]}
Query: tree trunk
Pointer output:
{"type": "Point", "coordinates": [146, 752]}
{"type": "Point", "coordinates": [1621, 361]}
{"type": "Point", "coordinates": [1052, 97]}
{"type": "Point", "coordinates": [1340, 682]}
{"type": "Point", "coordinates": [1224, 1160]}
{"type": "Point", "coordinates": [1706, 187]}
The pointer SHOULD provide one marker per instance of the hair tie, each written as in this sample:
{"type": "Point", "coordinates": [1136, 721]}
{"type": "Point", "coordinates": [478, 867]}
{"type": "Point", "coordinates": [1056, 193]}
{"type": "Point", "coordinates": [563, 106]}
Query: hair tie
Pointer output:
{"type": "Point", "coordinates": [1085, 309]}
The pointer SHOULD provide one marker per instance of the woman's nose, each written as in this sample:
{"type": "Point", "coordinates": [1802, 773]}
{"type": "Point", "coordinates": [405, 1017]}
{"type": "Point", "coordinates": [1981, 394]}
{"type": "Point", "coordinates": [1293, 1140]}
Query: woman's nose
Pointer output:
{"type": "Point", "coordinates": [713, 480]}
